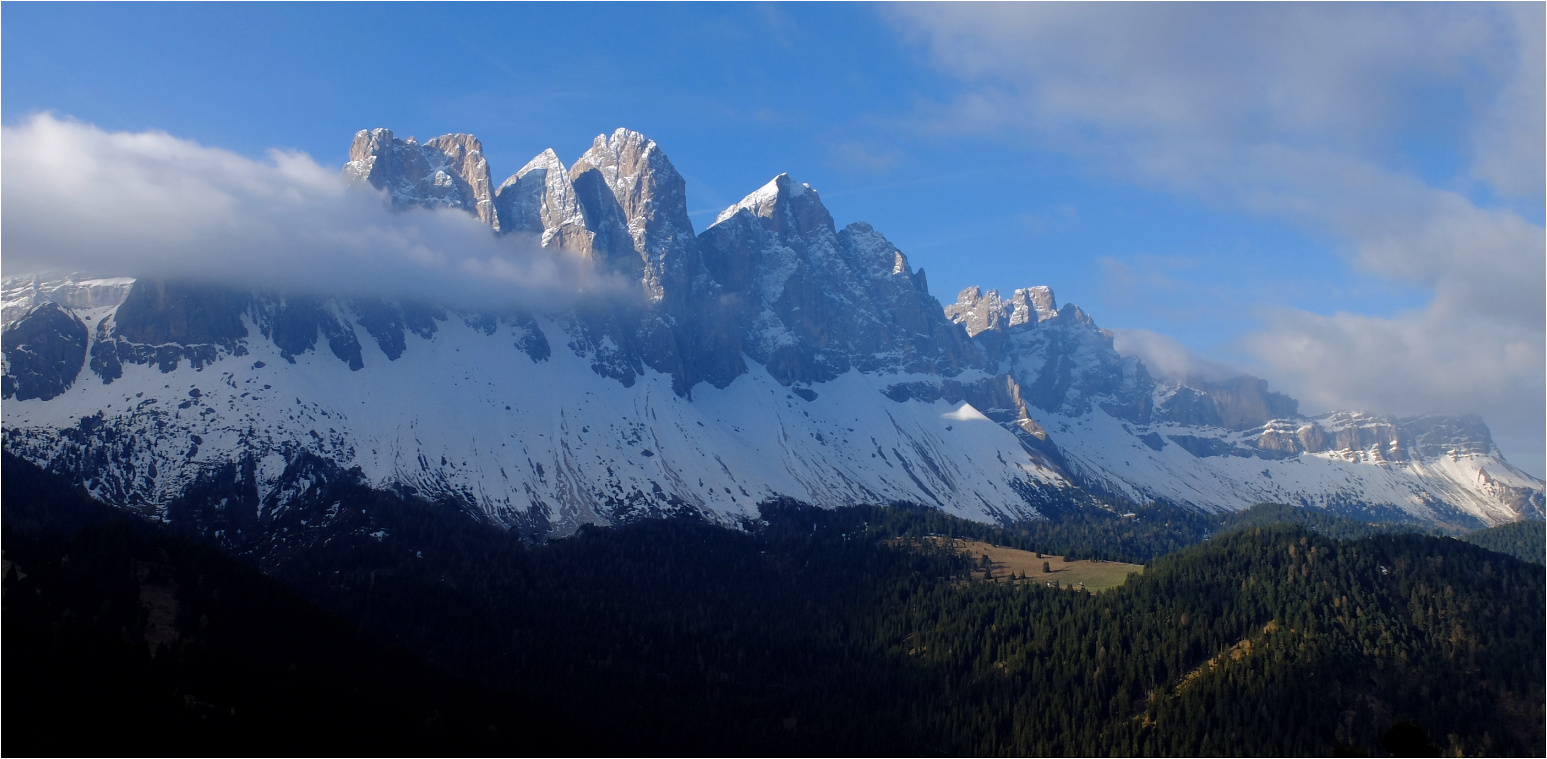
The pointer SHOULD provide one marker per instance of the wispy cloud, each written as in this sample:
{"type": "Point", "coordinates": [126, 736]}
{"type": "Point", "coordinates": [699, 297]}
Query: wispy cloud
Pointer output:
{"type": "Point", "coordinates": [855, 157]}
{"type": "Point", "coordinates": [1166, 358]}
{"type": "Point", "coordinates": [147, 204]}
{"type": "Point", "coordinates": [1043, 221]}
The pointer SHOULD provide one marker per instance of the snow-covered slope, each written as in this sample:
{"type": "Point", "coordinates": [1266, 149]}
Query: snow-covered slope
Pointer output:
{"type": "Point", "coordinates": [544, 439]}
{"type": "Point", "coordinates": [769, 355]}
{"type": "Point", "coordinates": [1230, 444]}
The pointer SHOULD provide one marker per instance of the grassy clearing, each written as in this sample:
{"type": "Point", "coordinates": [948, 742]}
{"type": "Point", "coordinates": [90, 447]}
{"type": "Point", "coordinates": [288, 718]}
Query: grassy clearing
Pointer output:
{"type": "Point", "coordinates": [1006, 563]}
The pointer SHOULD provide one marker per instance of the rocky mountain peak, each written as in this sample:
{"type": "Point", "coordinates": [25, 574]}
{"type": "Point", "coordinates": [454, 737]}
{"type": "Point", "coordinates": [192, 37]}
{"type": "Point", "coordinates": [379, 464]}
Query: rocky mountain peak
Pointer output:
{"type": "Point", "coordinates": [789, 209]}
{"type": "Point", "coordinates": [635, 203]}
{"type": "Point", "coordinates": [464, 160]}
{"type": "Point", "coordinates": [826, 360]}
{"type": "Point", "coordinates": [1034, 301]}
{"type": "Point", "coordinates": [448, 171]}
{"type": "Point", "coordinates": [539, 199]}
{"type": "Point", "coordinates": [979, 311]}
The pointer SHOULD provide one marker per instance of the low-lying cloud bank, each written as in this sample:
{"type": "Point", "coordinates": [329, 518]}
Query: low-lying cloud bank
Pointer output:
{"type": "Point", "coordinates": [150, 205]}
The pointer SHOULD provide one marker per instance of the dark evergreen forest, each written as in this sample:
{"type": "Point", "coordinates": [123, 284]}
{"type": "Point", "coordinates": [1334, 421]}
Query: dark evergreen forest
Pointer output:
{"type": "Point", "coordinates": [1275, 631]}
{"type": "Point", "coordinates": [1522, 540]}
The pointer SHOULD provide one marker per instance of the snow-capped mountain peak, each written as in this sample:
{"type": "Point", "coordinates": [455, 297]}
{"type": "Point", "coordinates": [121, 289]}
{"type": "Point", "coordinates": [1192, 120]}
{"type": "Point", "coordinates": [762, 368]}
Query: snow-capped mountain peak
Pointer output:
{"type": "Point", "coordinates": [772, 354]}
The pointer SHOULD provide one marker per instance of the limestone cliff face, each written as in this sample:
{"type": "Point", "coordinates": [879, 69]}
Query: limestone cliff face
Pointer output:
{"type": "Point", "coordinates": [815, 302]}
{"type": "Point", "coordinates": [464, 162]}
{"type": "Point", "coordinates": [20, 295]}
{"type": "Point", "coordinates": [44, 351]}
{"type": "Point", "coordinates": [1236, 403]}
{"type": "Point", "coordinates": [636, 204]}
{"type": "Point", "coordinates": [1067, 363]}
{"type": "Point", "coordinates": [447, 171]}
{"type": "Point", "coordinates": [1373, 437]}
{"type": "Point", "coordinates": [1062, 360]}
{"type": "Point", "coordinates": [979, 312]}
{"type": "Point", "coordinates": [1189, 440]}
{"type": "Point", "coordinates": [539, 199]}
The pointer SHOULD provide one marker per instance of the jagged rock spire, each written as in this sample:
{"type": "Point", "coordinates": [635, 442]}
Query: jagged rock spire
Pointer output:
{"type": "Point", "coordinates": [979, 311]}
{"type": "Point", "coordinates": [540, 199]}
{"type": "Point", "coordinates": [785, 207]}
{"type": "Point", "coordinates": [447, 171]}
{"type": "Point", "coordinates": [636, 204]}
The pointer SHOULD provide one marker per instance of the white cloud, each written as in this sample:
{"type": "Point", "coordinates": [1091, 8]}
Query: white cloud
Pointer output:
{"type": "Point", "coordinates": [1166, 358]}
{"type": "Point", "coordinates": [1060, 217]}
{"type": "Point", "coordinates": [856, 157]}
{"type": "Point", "coordinates": [1292, 110]}
{"type": "Point", "coordinates": [77, 198]}
{"type": "Point", "coordinates": [1507, 140]}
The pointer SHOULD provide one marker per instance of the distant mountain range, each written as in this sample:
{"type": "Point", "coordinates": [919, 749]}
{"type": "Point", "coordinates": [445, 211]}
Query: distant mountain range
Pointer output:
{"type": "Point", "coordinates": [771, 354]}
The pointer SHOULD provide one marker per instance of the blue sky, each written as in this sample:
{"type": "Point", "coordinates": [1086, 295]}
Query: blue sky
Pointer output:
{"type": "Point", "coordinates": [1344, 199]}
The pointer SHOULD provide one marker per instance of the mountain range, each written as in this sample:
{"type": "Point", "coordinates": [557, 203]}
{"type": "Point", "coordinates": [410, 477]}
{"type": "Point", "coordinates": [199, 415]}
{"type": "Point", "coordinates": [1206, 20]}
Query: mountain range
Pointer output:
{"type": "Point", "coordinates": [769, 355]}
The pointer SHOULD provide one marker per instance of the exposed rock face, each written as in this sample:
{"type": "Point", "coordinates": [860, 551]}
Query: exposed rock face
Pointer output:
{"type": "Point", "coordinates": [1379, 438]}
{"type": "Point", "coordinates": [979, 312]}
{"type": "Point", "coordinates": [295, 322]}
{"type": "Point", "coordinates": [816, 302]}
{"type": "Point", "coordinates": [164, 323]}
{"type": "Point", "coordinates": [772, 280]}
{"type": "Point", "coordinates": [636, 203]}
{"type": "Point", "coordinates": [44, 350]}
{"type": "Point", "coordinates": [539, 199]}
{"type": "Point", "coordinates": [1063, 362]}
{"type": "Point", "coordinates": [1237, 403]}
{"type": "Point", "coordinates": [447, 171]}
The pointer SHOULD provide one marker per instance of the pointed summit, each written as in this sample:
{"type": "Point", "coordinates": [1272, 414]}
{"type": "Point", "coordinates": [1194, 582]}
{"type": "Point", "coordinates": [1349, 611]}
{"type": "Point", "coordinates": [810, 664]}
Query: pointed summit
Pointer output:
{"type": "Point", "coordinates": [786, 207]}
{"type": "Point", "coordinates": [636, 204]}
{"type": "Point", "coordinates": [540, 199]}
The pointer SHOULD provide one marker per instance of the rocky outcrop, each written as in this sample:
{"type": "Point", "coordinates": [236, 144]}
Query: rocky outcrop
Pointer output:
{"type": "Point", "coordinates": [447, 171]}
{"type": "Point", "coordinates": [44, 351]}
{"type": "Point", "coordinates": [636, 204]}
{"type": "Point", "coordinates": [1119, 431]}
{"type": "Point", "coordinates": [979, 312]}
{"type": "Point", "coordinates": [1236, 403]}
{"type": "Point", "coordinates": [1062, 360]}
{"type": "Point", "coordinates": [540, 200]}
{"type": "Point", "coordinates": [816, 303]}
{"type": "Point", "coordinates": [1378, 438]}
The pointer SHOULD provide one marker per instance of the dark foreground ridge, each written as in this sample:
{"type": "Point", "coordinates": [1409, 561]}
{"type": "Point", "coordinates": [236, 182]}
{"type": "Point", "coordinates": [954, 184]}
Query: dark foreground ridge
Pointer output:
{"type": "Point", "coordinates": [811, 632]}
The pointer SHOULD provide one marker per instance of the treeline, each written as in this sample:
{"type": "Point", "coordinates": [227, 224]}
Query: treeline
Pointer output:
{"type": "Point", "coordinates": [1326, 523]}
{"type": "Point", "coordinates": [1523, 540]}
{"type": "Point", "coordinates": [1093, 531]}
{"type": "Point", "coordinates": [807, 632]}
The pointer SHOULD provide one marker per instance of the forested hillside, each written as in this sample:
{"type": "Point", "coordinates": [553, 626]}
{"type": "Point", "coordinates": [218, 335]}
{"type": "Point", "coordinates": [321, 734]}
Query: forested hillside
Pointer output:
{"type": "Point", "coordinates": [809, 632]}
{"type": "Point", "coordinates": [1523, 540]}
